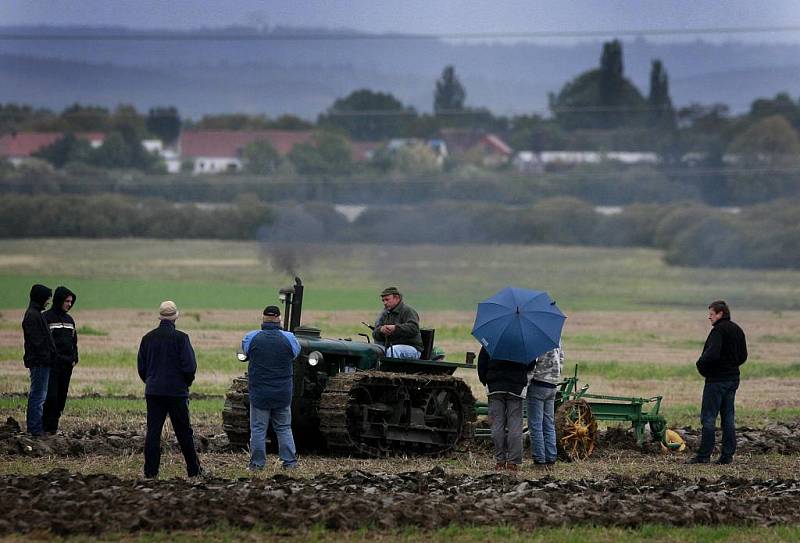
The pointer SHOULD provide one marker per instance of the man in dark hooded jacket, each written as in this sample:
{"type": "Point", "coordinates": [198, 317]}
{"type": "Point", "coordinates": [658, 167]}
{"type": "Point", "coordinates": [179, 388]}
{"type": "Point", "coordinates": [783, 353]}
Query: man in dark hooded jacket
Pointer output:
{"type": "Point", "coordinates": [40, 352]}
{"type": "Point", "coordinates": [65, 337]}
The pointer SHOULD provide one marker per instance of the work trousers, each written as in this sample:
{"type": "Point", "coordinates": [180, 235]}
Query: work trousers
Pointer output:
{"type": "Point", "coordinates": [57, 388]}
{"type": "Point", "coordinates": [505, 415]}
{"type": "Point", "coordinates": [158, 407]}
{"type": "Point", "coordinates": [718, 399]}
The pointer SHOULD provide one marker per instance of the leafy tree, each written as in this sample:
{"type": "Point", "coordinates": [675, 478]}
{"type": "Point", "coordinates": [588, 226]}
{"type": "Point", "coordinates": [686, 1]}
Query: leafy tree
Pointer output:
{"type": "Point", "coordinates": [80, 118]}
{"type": "Point", "coordinates": [767, 164]}
{"type": "Point", "coordinates": [450, 93]}
{"type": "Point", "coordinates": [600, 98]}
{"type": "Point", "coordinates": [533, 133]}
{"type": "Point", "coordinates": [291, 122]}
{"type": "Point", "coordinates": [661, 112]}
{"type": "Point", "coordinates": [164, 122]}
{"type": "Point", "coordinates": [328, 153]}
{"type": "Point", "coordinates": [233, 121]}
{"type": "Point", "coordinates": [611, 73]}
{"type": "Point", "coordinates": [261, 157]}
{"type": "Point", "coordinates": [415, 160]}
{"type": "Point", "coordinates": [66, 149]}
{"type": "Point", "coordinates": [782, 105]}
{"type": "Point", "coordinates": [114, 153]}
{"type": "Point", "coordinates": [368, 115]}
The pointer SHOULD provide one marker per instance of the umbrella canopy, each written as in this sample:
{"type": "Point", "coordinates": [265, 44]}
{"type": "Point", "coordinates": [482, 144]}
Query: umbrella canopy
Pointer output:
{"type": "Point", "coordinates": [518, 324]}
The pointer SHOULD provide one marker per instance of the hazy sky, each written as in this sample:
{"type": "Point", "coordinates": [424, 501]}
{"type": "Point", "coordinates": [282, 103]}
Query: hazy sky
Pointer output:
{"type": "Point", "coordinates": [419, 16]}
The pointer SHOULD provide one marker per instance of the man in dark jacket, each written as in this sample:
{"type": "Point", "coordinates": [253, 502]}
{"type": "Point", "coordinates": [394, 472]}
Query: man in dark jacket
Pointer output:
{"type": "Point", "coordinates": [167, 365]}
{"type": "Point", "coordinates": [40, 352]}
{"type": "Point", "coordinates": [724, 351]}
{"type": "Point", "coordinates": [65, 337]}
{"type": "Point", "coordinates": [505, 383]}
{"type": "Point", "coordinates": [271, 352]}
{"type": "Point", "coordinates": [397, 327]}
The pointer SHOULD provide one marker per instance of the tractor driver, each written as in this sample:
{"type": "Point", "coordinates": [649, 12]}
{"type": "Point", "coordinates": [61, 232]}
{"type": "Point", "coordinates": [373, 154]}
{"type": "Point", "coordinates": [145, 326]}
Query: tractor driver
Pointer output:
{"type": "Point", "coordinates": [397, 327]}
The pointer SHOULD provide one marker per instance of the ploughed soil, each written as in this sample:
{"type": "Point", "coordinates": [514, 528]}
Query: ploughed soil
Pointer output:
{"type": "Point", "coordinates": [66, 503]}
{"type": "Point", "coordinates": [102, 441]}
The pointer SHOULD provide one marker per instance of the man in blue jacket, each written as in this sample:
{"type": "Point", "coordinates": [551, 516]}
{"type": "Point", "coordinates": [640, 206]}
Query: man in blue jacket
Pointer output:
{"type": "Point", "coordinates": [271, 352]}
{"type": "Point", "coordinates": [167, 366]}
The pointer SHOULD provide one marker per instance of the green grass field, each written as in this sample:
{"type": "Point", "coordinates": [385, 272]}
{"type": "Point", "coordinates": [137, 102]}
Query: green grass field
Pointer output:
{"type": "Point", "coordinates": [135, 273]}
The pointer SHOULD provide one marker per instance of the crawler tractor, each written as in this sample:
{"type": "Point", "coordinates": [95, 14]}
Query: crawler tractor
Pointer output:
{"type": "Point", "coordinates": [350, 399]}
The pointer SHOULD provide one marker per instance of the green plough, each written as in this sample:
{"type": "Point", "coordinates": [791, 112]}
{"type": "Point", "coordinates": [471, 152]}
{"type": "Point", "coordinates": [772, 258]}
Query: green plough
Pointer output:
{"type": "Point", "coordinates": [577, 413]}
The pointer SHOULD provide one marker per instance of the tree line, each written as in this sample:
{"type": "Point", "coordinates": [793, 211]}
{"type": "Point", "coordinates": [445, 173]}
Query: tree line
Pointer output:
{"type": "Point", "coordinates": [691, 234]}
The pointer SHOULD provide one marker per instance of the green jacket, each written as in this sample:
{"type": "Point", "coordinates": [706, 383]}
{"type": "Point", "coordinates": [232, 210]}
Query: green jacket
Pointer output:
{"type": "Point", "coordinates": [407, 331]}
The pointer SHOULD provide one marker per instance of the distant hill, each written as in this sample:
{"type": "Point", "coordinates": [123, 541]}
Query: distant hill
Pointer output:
{"type": "Point", "coordinates": [305, 76]}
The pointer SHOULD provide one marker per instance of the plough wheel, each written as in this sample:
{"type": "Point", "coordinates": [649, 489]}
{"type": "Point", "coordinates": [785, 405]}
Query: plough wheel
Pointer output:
{"type": "Point", "coordinates": [576, 430]}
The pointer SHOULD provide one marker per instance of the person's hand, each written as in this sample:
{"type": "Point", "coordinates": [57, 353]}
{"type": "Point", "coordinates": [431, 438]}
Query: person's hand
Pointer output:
{"type": "Point", "coordinates": [388, 329]}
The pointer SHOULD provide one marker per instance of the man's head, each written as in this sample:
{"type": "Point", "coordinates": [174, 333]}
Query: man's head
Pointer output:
{"type": "Point", "coordinates": [40, 294]}
{"type": "Point", "coordinates": [272, 313]}
{"type": "Point", "coordinates": [168, 311]}
{"type": "Point", "coordinates": [63, 299]}
{"type": "Point", "coordinates": [718, 310]}
{"type": "Point", "coordinates": [391, 297]}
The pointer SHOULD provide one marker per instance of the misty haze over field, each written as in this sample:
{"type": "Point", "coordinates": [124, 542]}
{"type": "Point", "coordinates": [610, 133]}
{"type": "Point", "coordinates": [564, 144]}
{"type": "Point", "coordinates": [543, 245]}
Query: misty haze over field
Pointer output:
{"type": "Point", "coordinates": [305, 76]}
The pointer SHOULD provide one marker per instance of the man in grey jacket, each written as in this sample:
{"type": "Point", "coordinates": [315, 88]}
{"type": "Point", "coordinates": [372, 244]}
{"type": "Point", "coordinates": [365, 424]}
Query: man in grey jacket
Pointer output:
{"type": "Point", "coordinates": [543, 379]}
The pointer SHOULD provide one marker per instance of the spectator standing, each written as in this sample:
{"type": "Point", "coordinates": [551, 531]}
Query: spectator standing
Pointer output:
{"type": "Point", "coordinates": [505, 382]}
{"type": "Point", "coordinates": [271, 352]}
{"type": "Point", "coordinates": [39, 356]}
{"type": "Point", "coordinates": [167, 366]}
{"type": "Point", "coordinates": [543, 380]}
{"type": "Point", "coordinates": [65, 337]}
{"type": "Point", "coordinates": [724, 351]}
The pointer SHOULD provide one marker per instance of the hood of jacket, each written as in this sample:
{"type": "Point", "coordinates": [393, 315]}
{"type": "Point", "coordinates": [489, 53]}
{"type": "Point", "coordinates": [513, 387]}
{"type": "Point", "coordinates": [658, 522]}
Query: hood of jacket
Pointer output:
{"type": "Point", "coordinates": [40, 294]}
{"type": "Point", "coordinates": [60, 295]}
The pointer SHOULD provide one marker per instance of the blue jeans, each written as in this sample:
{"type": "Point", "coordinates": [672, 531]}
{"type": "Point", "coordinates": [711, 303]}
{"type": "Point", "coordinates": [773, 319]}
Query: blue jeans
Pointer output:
{"type": "Point", "coordinates": [718, 399]}
{"type": "Point", "coordinates": [281, 418]}
{"type": "Point", "coordinates": [402, 351]}
{"type": "Point", "coordinates": [542, 430]}
{"type": "Point", "coordinates": [36, 398]}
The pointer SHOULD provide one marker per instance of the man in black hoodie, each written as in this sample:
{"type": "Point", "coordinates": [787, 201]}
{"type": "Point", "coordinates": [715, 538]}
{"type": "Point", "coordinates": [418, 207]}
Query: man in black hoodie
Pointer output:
{"type": "Point", "coordinates": [65, 337]}
{"type": "Point", "coordinates": [724, 351]}
{"type": "Point", "coordinates": [40, 353]}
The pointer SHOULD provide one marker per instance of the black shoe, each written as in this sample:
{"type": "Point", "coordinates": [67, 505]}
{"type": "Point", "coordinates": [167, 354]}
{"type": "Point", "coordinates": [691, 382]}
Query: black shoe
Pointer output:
{"type": "Point", "coordinates": [697, 460]}
{"type": "Point", "coordinates": [724, 460]}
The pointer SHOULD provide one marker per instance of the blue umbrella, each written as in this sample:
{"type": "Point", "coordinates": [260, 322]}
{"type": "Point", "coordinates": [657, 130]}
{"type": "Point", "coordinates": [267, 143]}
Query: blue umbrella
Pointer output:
{"type": "Point", "coordinates": [518, 324]}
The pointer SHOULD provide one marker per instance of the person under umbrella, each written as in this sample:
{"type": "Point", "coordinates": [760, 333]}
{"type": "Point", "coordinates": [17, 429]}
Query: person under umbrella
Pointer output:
{"type": "Point", "coordinates": [514, 327]}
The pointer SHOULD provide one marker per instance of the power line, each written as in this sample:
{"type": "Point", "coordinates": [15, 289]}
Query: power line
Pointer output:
{"type": "Point", "coordinates": [273, 37]}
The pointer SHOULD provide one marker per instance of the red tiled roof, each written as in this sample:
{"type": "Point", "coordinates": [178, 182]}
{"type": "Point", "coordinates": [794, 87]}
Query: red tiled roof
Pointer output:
{"type": "Point", "coordinates": [497, 144]}
{"type": "Point", "coordinates": [24, 144]}
{"type": "Point", "coordinates": [230, 143]}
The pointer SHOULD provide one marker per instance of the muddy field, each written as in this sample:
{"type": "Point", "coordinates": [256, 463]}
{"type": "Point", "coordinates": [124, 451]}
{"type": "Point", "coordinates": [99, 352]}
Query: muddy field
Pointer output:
{"type": "Point", "coordinates": [460, 489]}
{"type": "Point", "coordinates": [66, 503]}
{"type": "Point", "coordinates": [100, 441]}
